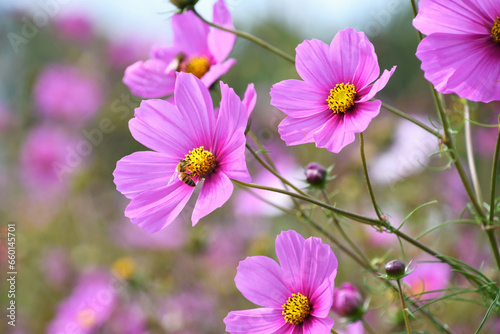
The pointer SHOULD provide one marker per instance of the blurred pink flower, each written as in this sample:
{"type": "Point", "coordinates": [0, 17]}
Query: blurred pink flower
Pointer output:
{"type": "Point", "coordinates": [332, 103]}
{"type": "Point", "coordinates": [42, 156]}
{"type": "Point", "coordinates": [132, 236]}
{"type": "Point", "coordinates": [87, 308]}
{"type": "Point", "coordinates": [409, 153]}
{"type": "Point", "coordinates": [461, 53]}
{"type": "Point", "coordinates": [347, 301]}
{"type": "Point", "coordinates": [122, 53]}
{"type": "Point", "coordinates": [196, 49]}
{"type": "Point", "coordinates": [187, 310]}
{"type": "Point", "coordinates": [74, 27]}
{"type": "Point", "coordinates": [427, 276]}
{"type": "Point", "coordinates": [247, 204]}
{"type": "Point", "coordinates": [55, 265]}
{"type": "Point", "coordinates": [66, 93]}
{"type": "Point", "coordinates": [296, 295]}
{"type": "Point", "coordinates": [207, 145]}
{"type": "Point", "coordinates": [354, 328]}
{"type": "Point", "coordinates": [127, 319]}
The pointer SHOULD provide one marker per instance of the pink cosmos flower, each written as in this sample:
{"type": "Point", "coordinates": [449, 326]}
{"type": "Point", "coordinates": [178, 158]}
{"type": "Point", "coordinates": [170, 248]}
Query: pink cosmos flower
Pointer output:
{"type": "Point", "coordinates": [74, 26]}
{"type": "Point", "coordinates": [427, 277]}
{"type": "Point", "coordinates": [333, 100]}
{"type": "Point", "coordinates": [190, 138]}
{"type": "Point", "coordinates": [296, 295]}
{"type": "Point", "coordinates": [66, 93]}
{"type": "Point", "coordinates": [461, 53]}
{"type": "Point", "coordinates": [89, 306]}
{"type": "Point", "coordinates": [196, 49]}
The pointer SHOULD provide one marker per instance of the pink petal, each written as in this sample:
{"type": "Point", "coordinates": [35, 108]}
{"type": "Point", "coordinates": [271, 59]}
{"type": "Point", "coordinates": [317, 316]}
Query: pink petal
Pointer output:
{"type": "Point", "coordinates": [261, 280]}
{"type": "Point", "coordinates": [231, 123]}
{"type": "Point", "coordinates": [256, 321]}
{"type": "Point", "coordinates": [289, 248]}
{"type": "Point", "coordinates": [472, 60]}
{"type": "Point", "coordinates": [314, 66]}
{"type": "Point", "coordinates": [216, 71]}
{"type": "Point", "coordinates": [322, 297]}
{"type": "Point", "coordinates": [165, 53]}
{"type": "Point", "coordinates": [295, 131]}
{"type": "Point", "coordinates": [195, 106]}
{"type": "Point", "coordinates": [234, 165]}
{"type": "Point", "coordinates": [299, 99]}
{"type": "Point", "coordinates": [250, 99]}
{"type": "Point", "coordinates": [216, 190]}
{"type": "Point", "coordinates": [317, 265]}
{"type": "Point", "coordinates": [148, 79]}
{"type": "Point", "coordinates": [450, 16]}
{"type": "Point", "coordinates": [333, 135]}
{"type": "Point", "coordinates": [157, 125]}
{"type": "Point", "coordinates": [357, 119]}
{"type": "Point", "coordinates": [353, 58]}
{"type": "Point", "coordinates": [315, 325]}
{"type": "Point", "coordinates": [370, 91]}
{"type": "Point", "coordinates": [221, 42]}
{"type": "Point", "coordinates": [153, 210]}
{"type": "Point", "coordinates": [190, 34]}
{"type": "Point", "coordinates": [142, 171]}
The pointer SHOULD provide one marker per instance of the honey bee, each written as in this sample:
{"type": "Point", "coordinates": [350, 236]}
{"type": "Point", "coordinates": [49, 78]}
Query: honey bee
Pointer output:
{"type": "Point", "coordinates": [175, 64]}
{"type": "Point", "coordinates": [182, 172]}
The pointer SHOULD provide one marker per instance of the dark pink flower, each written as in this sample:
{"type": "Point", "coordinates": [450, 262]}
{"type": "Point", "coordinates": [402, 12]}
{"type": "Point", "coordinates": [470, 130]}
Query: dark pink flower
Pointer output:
{"type": "Point", "coordinates": [296, 295]}
{"type": "Point", "coordinates": [74, 26]}
{"type": "Point", "coordinates": [66, 93]}
{"type": "Point", "coordinates": [196, 49]}
{"type": "Point", "coordinates": [347, 301]}
{"type": "Point", "coordinates": [461, 53]}
{"type": "Point", "coordinates": [191, 143]}
{"type": "Point", "coordinates": [332, 103]}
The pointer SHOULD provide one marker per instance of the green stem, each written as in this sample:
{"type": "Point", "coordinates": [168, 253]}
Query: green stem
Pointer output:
{"type": "Point", "coordinates": [411, 119]}
{"type": "Point", "coordinates": [494, 179]}
{"type": "Point", "coordinates": [274, 172]}
{"type": "Point", "coordinates": [403, 306]}
{"type": "Point", "coordinates": [470, 154]}
{"type": "Point", "coordinates": [365, 171]}
{"type": "Point", "coordinates": [250, 37]}
{"type": "Point", "coordinates": [415, 12]}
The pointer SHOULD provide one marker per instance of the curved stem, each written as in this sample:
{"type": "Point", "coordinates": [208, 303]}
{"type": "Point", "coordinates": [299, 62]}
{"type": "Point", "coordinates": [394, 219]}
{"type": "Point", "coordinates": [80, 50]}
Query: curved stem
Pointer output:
{"type": "Point", "coordinates": [250, 37]}
{"type": "Point", "coordinates": [365, 171]}
{"type": "Point", "coordinates": [411, 119]}
{"type": "Point", "coordinates": [470, 153]}
{"type": "Point", "coordinates": [403, 306]}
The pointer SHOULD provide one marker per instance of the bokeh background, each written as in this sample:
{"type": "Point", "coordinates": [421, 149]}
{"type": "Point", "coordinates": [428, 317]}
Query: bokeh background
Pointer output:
{"type": "Point", "coordinates": [63, 126]}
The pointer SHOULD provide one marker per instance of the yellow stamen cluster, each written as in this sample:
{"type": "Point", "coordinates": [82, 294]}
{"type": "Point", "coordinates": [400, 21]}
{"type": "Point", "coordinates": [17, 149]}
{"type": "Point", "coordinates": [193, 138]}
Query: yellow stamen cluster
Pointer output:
{"type": "Point", "coordinates": [86, 318]}
{"type": "Point", "coordinates": [495, 30]}
{"type": "Point", "coordinates": [341, 98]}
{"type": "Point", "coordinates": [296, 309]}
{"type": "Point", "coordinates": [200, 162]}
{"type": "Point", "coordinates": [197, 66]}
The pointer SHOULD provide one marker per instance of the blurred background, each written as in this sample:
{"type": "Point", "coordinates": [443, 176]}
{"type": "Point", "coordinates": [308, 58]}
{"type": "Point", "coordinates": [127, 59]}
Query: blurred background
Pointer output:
{"type": "Point", "coordinates": [64, 115]}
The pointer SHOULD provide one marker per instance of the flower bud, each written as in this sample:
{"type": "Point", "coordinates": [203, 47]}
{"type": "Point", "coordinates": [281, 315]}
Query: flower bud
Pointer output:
{"type": "Point", "coordinates": [184, 4]}
{"type": "Point", "coordinates": [395, 269]}
{"type": "Point", "coordinates": [347, 301]}
{"type": "Point", "coordinates": [315, 173]}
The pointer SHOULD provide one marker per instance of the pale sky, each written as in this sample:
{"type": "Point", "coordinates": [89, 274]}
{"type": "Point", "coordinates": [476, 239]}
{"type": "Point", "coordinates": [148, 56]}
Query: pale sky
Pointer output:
{"type": "Point", "coordinates": [320, 18]}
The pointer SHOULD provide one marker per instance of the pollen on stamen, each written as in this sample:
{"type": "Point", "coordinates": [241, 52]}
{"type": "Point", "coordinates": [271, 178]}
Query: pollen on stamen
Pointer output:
{"type": "Point", "coordinates": [296, 309]}
{"type": "Point", "coordinates": [341, 98]}
{"type": "Point", "coordinates": [495, 30]}
{"type": "Point", "coordinates": [200, 162]}
{"type": "Point", "coordinates": [196, 65]}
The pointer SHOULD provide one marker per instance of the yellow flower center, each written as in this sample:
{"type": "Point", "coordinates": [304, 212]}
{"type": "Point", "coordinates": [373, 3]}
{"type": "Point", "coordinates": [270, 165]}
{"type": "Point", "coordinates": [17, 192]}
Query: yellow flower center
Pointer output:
{"type": "Point", "coordinates": [86, 318]}
{"type": "Point", "coordinates": [341, 98]}
{"type": "Point", "coordinates": [495, 30]}
{"type": "Point", "coordinates": [296, 309]}
{"type": "Point", "coordinates": [200, 162]}
{"type": "Point", "coordinates": [197, 66]}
